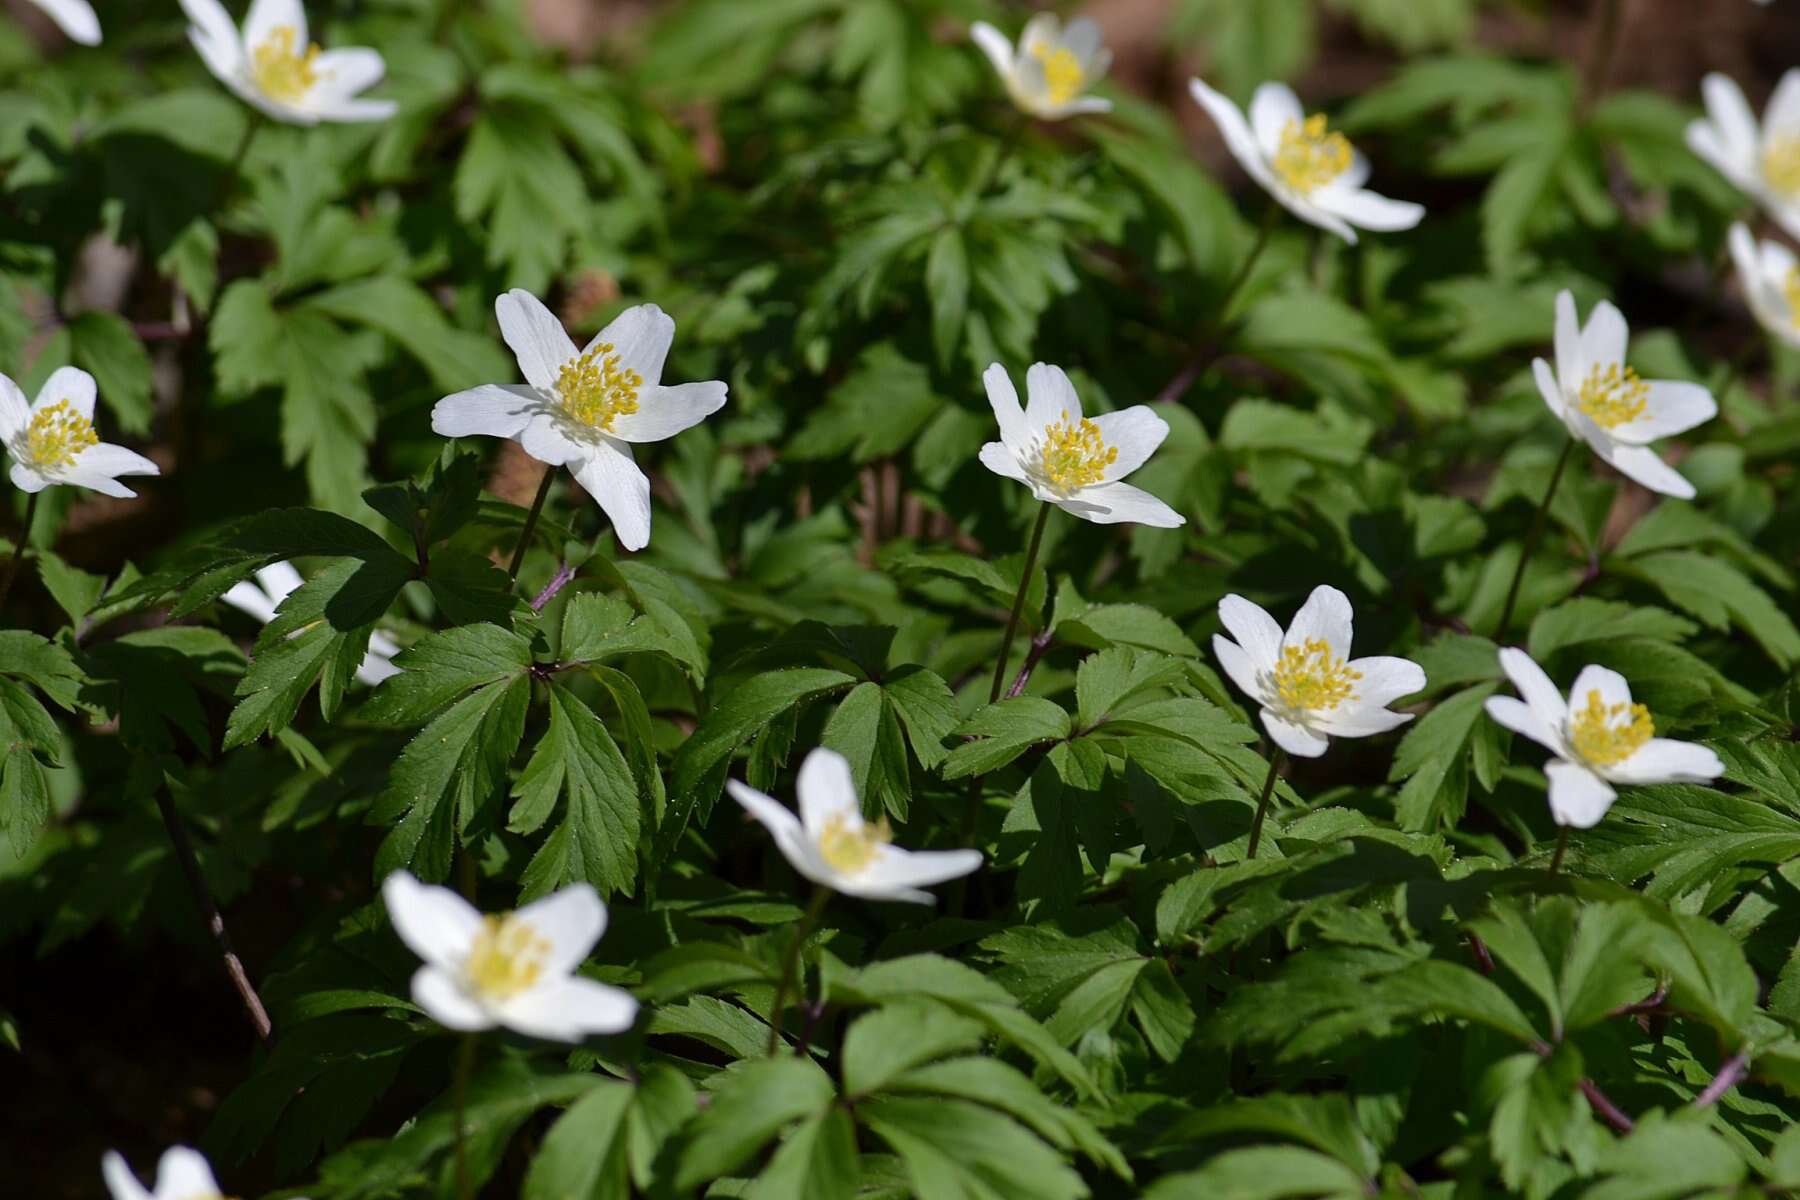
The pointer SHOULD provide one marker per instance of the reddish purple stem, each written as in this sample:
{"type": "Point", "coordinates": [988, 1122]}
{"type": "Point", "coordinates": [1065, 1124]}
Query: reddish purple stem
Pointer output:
{"type": "Point", "coordinates": [558, 581]}
{"type": "Point", "coordinates": [1731, 1073]}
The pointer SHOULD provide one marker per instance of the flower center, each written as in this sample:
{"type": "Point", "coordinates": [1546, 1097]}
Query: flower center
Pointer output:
{"type": "Point", "coordinates": [594, 389]}
{"type": "Point", "coordinates": [57, 434]}
{"type": "Point", "coordinates": [1595, 735]}
{"type": "Point", "coordinates": [1063, 75]}
{"type": "Point", "coordinates": [1781, 164]}
{"type": "Point", "coordinates": [1612, 395]}
{"type": "Point", "coordinates": [850, 850]}
{"type": "Point", "coordinates": [1310, 155]}
{"type": "Point", "coordinates": [1310, 678]}
{"type": "Point", "coordinates": [282, 70]}
{"type": "Point", "coordinates": [1075, 455]}
{"type": "Point", "coordinates": [507, 957]}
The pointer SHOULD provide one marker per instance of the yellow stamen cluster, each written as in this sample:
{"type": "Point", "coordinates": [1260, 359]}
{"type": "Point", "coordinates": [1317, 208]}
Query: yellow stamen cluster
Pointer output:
{"type": "Point", "coordinates": [506, 958]}
{"type": "Point", "coordinates": [850, 850]}
{"type": "Point", "coordinates": [1075, 455]}
{"type": "Point", "coordinates": [1790, 288]}
{"type": "Point", "coordinates": [1063, 75]}
{"type": "Point", "coordinates": [1310, 678]}
{"type": "Point", "coordinates": [1781, 165]}
{"type": "Point", "coordinates": [1612, 395]}
{"type": "Point", "coordinates": [1310, 155]}
{"type": "Point", "coordinates": [57, 434]}
{"type": "Point", "coordinates": [1594, 735]}
{"type": "Point", "coordinates": [282, 70]}
{"type": "Point", "coordinates": [595, 389]}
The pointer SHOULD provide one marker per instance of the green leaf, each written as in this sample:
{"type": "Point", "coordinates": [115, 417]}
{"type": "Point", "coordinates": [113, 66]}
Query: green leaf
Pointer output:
{"type": "Point", "coordinates": [1432, 758]}
{"type": "Point", "coordinates": [751, 1101]}
{"type": "Point", "coordinates": [583, 1155]}
{"type": "Point", "coordinates": [598, 837]}
{"type": "Point", "coordinates": [885, 1044]}
{"type": "Point", "coordinates": [1005, 730]}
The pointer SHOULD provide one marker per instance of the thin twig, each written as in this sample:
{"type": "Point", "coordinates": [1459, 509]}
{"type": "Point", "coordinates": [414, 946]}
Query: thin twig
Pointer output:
{"type": "Point", "coordinates": [18, 554]}
{"type": "Point", "coordinates": [234, 966]}
{"type": "Point", "coordinates": [1039, 644]}
{"type": "Point", "coordinates": [1648, 1004]}
{"type": "Point", "coordinates": [531, 520]}
{"type": "Point", "coordinates": [1602, 1104]}
{"type": "Point", "coordinates": [1731, 1073]}
{"type": "Point", "coordinates": [558, 581]}
{"type": "Point", "coordinates": [1262, 805]}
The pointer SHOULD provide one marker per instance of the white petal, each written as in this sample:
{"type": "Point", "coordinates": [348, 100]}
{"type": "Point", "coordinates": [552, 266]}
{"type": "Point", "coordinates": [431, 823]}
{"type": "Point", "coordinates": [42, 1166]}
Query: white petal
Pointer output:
{"type": "Point", "coordinates": [1136, 432]}
{"type": "Point", "coordinates": [900, 872]}
{"type": "Point", "coordinates": [1548, 387]}
{"type": "Point", "coordinates": [436, 991]}
{"type": "Point", "coordinates": [1569, 367]}
{"type": "Point", "coordinates": [119, 1180]}
{"type": "Point", "coordinates": [1295, 739]}
{"type": "Point", "coordinates": [664, 412]}
{"type": "Point", "coordinates": [999, 458]}
{"type": "Point", "coordinates": [569, 1008]}
{"type": "Point", "coordinates": [774, 816]}
{"type": "Point", "coordinates": [15, 411]}
{"type": "Point", "coordinates": [1356, 719]}
{"type": "Point", "coordinates": [279, 580]}
{"type": "Point", "coordinates": [1535, 687]}
{"type": "Point", "coordinates": [1272, 109]}
{"type": "Point", "coordinates": [1050, 397]}
{"type": "Point", "coordinates": [184, 1174]}
{"type": "Point", "coordinates": [212, 23]}
{"type": "Point", "coordinates": [995, 45]}
{"type": "Point", "coordinates": [1731, 119]}
{"type": "Point", "coordinates": [1644, 466]}
{"type": "Point", "coordinates": [375, 667]}
{"type": "Point", "coordinates": [223, 55]}
{"type": "Point", "coordinates": [75, 18]}
{"type": "Point", "coordinates": [1043, 29]}
{"type": "Point", "coordinates": [27, 479]}
{"type": "Point", "coordinates": [1370, 211]}
{"type": "Point", "coordinates": [1240, 666]}
{"type": "Point", "coordinates": [98, 481]}
{"type": "Point", "coordinates": [491, 410]}
{"type": "Point", "coordinates": [546, 437]}
{"type": "Point", "coordinates": [266, 16]}
{"type": "Point", "coordinates": [1603, 340]}
{"type": "Point", "coordinates": [1578, 797]}
{"type": "Point", "coordinates": [1251, 626]}
{"type": "Point", "coordinates": [1781, 115]}
{"type": "Point", "coordinates": [1704, 139]}
{"type": "Point", "coordinates": [1672, 407]}
{"type": "Point", "coordinates": [1744, 250]}
{"type": "Point", "coordinates": [1239, 138]}
{"type": "Point", "coordinates": [1609, 683]}
{"type": "Point", "coordinates": [1003, 398]}
{"type": "Point", "coordinates": [435, 923]}
{"type": "Point", "coordinates": [1327, 616]}
{"type": "Point", "coordinates": [536, 337]}
{"type": "Point", "coordinates": [104, 458]}
{"type": "Point", "coordinates": [827, 789]}
{"type": "Point", "coordinates": [641, 337]}
{"type": "Point", "coordinates": [352, 111]}
{"type": "Point", "coordinates": [247, 597]}
{"type": "Point", "coordinates": [1120, 503]}
{"type": "Point", "coordinates": [1082, 104]}
{"type": "Point", "coordinates": [622, 491]}
{"type": "Point", "coordinates": [571, 920]}
{"type": "Point", "coordinates": [1311, 213]}
{"type": "Point", "coordinates": [71, 384]}
{"type": "Point", "coordinates": [345, 72]}
{"type": "Point", "coordinates": [1520, 717]}
{"type": "Point", "coordinates": [1081, 37]}
{"type": "Point", "coordinates": [1385, 679]}
{"type": "Point", "coordinates": [1664, 760]}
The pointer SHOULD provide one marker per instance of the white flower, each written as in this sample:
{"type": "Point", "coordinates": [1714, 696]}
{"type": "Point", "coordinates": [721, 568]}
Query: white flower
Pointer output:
{"type": "Point", "coordinates": [583, 409]}
{"type": "Point", "coordinates": [1309, 687]}
{"type": "Point", "coordinates": [183, 1174]}
{"type": "Point", "coordinates": [1313, 172]}
{"type": "Point", "coordinates": [1762, 162]}
{"type": "Point", "coordinates": [1770, 276]}
{"type": "Point", "coordinates": [832, 845]}
{"type": "Point", "coordinates": [1069, 460]}
{"type": "Point", "coordinates": [1599, 738]}
{"type": "Point", "coordinates": [273, 66]}
{"type": "Point", "coordinates": [515, 970]}
{"type": "Point", "coordinates": [52, 440]}
{"type": "Point", "coordinates": [75, 18]}
{"type": "Point", "coordinates": [1052, 66]}
{"type": "Point", "coordinates": [274, 583]}
{"type": "Point", "coordinates": [1606, 405]}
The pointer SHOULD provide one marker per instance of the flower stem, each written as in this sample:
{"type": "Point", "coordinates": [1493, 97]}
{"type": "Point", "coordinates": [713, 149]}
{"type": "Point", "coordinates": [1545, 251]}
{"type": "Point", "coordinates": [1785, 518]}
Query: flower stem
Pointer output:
{"type": "Point", "coordinates": [1202, 351]}
{"type": "Point", "coordinates": [1012, 620]}
{"type": "Point", "coordinates": [1531, 539]}
{"type": "Point", "coordinates": [1242, 277]}
{"type": "Point", "coordinates": [234, 174]}
{"type": "Point", "coordinates": [18, 554]}
{"type": "Point", "coordinates": [789, 961]}
{"type": "Point", "coordinates": [531, 520]}
{"type": "Point", "coordinates": [1562, 847]}
{"type": "Point", "coordinates": [1262, 805]}
{"type": "Point", "coordinates": [459, 1092]}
